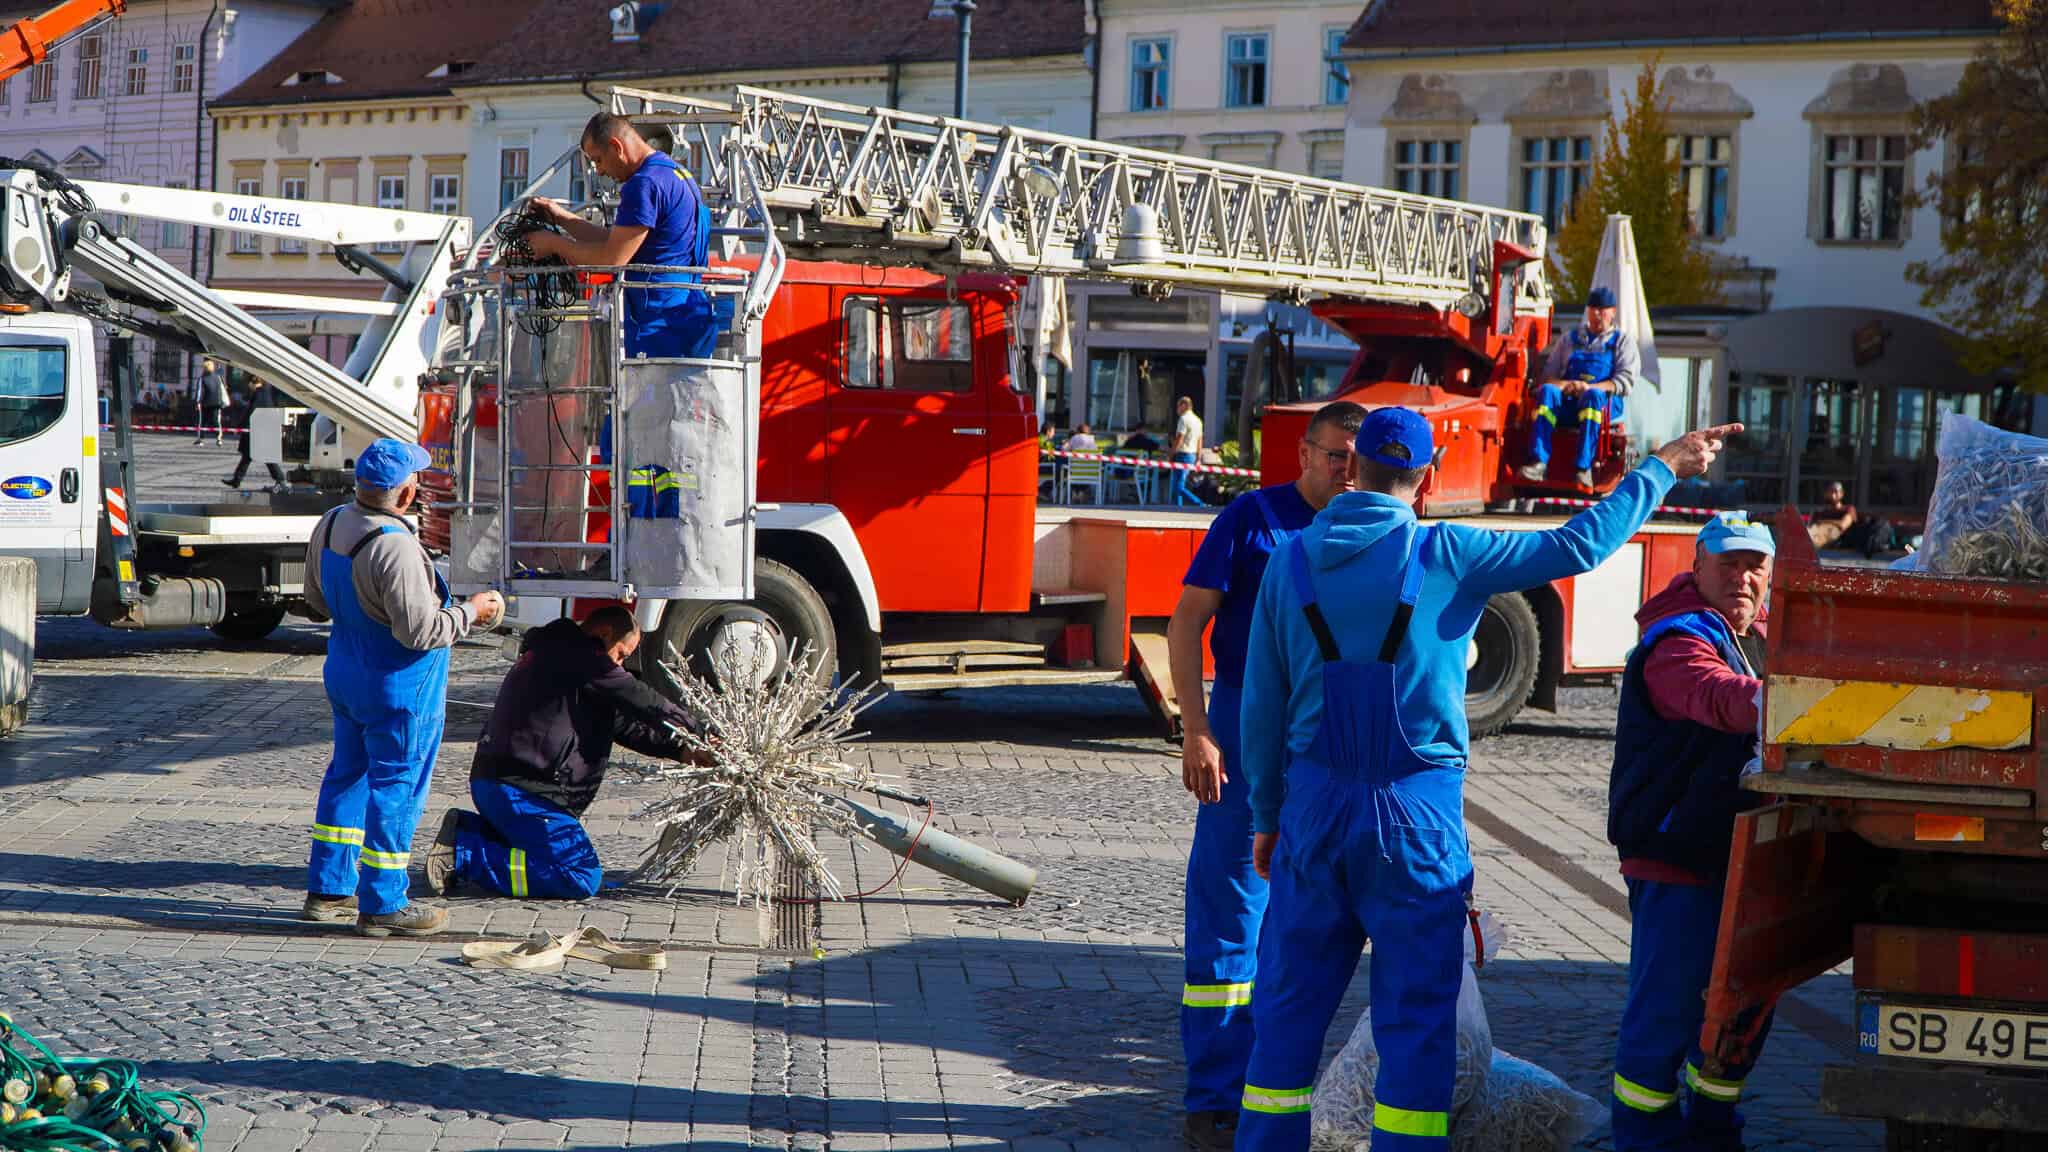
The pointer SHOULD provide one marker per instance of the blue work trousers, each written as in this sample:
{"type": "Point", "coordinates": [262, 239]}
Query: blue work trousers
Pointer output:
{"type": "Point", "coordinates": [1666, 1097]}
{"type": "Point", "coordinates": [1590, 411]}
{"type": "Point", "coordinates": [518, 844]}
{"type": "Point", "coordinates": [1224, 901]}
{"type": "Point", "coordinates": [370, 803]}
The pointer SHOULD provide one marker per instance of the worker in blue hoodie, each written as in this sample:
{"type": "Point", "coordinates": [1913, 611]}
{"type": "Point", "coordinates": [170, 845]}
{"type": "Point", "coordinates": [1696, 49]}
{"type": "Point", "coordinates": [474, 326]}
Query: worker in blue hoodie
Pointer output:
{"type": "Point", "coordinates": [1354, 742]}
{"type": "Point", "coordinates": [1687, 727]}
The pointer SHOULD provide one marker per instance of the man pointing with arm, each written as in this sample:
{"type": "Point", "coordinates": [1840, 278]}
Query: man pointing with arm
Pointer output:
{"type": "Point", "coordinates": [1355, 745]}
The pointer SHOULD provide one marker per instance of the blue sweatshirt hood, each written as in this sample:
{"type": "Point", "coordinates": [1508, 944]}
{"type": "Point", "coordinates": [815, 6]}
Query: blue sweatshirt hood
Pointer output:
{"type": "Point", "coordinates": [1352, 523]}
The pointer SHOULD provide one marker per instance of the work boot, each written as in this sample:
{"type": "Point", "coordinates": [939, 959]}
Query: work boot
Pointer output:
{"type": "Point", "coordinates": [232, 481]}
{"type": "Point", "coordinates": [441, 857]}
{"type": "Point", "coordinates": [326, 909]}
{"type": "Point", "coordinates": [1585, 477]}
{"type": "Point", "coordinates": [1210, 1131]}
{"type": "Point", "coordinates": [1535, 472]}
{"type": "Point", "coordinates": [411, 920]}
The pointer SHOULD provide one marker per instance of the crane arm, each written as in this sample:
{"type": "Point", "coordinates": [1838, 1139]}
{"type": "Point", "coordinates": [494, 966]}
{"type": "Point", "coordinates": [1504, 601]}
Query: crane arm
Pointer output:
{"type": "Point", "coordinates": [28, 41]}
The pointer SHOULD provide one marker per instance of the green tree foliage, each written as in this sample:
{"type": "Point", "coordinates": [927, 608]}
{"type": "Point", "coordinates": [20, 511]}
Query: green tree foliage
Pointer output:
{"type": "Point", "coordinates": [1636, 175]}
{"type": "Point", "coordinates": [1991, 281]}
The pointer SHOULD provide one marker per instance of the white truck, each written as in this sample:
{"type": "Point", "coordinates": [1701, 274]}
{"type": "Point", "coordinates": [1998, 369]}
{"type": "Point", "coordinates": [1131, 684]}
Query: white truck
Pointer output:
{"type": "Point", "coordinates": [70, 498]}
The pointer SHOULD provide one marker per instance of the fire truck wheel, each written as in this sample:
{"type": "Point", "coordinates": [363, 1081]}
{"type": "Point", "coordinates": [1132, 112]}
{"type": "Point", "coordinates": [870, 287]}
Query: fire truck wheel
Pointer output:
{"type": "Point", "coordinates": [249, 624]}
{"type": "Point", "coordinates": [785, 610]}
{"type": "Point", "coordinates": [1501, 668]}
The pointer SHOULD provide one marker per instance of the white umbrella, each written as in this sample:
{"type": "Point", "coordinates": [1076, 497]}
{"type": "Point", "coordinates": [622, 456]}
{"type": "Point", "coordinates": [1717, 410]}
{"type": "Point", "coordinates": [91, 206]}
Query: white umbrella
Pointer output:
{"type": "Point", "coordinates": [1618, 271]}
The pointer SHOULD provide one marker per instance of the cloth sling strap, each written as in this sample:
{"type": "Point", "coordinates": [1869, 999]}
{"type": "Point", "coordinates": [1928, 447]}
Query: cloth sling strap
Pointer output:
{"type": "Point", "coordinates": [327, 534]}
{"type": "Point", "coordinates": [1397, 628]}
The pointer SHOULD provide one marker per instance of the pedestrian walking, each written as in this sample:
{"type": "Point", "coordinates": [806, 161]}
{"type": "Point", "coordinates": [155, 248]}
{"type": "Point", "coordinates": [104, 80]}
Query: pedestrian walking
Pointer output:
{"type": "Point", "coordinates": [1686, 729]}
{"type": "Point", "coordinates": [1355, 749]}
{"type": "Point", "coordinates": [261, 395]}
{"type": "Point", "coordinates": [212, 397]}
{"type": "Point", "coordinates": [1187, 446]}
{"type": "Point", "coordinates": [1224, 896]}
{"type": "Point", "coordinates": [387, 684]}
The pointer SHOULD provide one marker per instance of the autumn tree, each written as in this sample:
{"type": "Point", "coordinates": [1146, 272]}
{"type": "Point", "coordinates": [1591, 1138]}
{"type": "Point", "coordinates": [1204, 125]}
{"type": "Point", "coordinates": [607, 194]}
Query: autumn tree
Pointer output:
{"type": "Point", "coordinates": [1991, 281]}
{"type": "Point", "coordinates": [1636, 175]}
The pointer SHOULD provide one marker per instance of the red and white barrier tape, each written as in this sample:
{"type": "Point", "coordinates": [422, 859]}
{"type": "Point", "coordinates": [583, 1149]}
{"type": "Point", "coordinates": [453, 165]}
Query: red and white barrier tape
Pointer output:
{"type": "Point", "coordinates": [1139, 462]}
{"type": "Point", "coordinates": [1673, 509]}
{"type": "Point", "coordinates": [175, 428]}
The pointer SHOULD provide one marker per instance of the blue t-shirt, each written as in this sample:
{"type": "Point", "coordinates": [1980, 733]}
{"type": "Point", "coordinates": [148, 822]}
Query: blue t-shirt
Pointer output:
{"type": "Point", "coordinates": [666, 321]}
{"type": "Point", "coordinates": [1232, 560]}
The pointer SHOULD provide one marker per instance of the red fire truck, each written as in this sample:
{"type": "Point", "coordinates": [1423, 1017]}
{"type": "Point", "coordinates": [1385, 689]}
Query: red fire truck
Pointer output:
{"type": "Point", "coordinates": [899, 526]}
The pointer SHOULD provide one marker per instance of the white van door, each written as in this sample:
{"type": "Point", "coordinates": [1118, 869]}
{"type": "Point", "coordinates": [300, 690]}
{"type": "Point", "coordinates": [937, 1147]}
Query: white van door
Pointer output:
{"type": "Point", "coordinates": [49, 455]}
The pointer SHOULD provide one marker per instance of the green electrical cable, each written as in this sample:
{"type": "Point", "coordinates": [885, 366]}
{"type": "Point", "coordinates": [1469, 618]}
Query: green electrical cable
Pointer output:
{"type": "Point", "coordinates": [51, 1103]}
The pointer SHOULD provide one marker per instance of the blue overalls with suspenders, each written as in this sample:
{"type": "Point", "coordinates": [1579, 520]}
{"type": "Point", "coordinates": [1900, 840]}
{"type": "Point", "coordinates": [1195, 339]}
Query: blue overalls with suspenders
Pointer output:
{"type": "Point", "coordinates": [1592, 359]}
{"type": "Point", "coordinates": [389, 703]}
{"type": "Point", "coordinates": [1371, 846]}
{"type": "Point", "coordinates": [1224, 897]}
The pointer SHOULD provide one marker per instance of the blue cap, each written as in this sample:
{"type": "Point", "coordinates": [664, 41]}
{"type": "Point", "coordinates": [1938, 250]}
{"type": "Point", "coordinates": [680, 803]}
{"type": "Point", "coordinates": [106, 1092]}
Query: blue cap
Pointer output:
{"type": "Point", "coordinates": [1736, 532]}
{"type": "Point", "coordinates": [1396, 437]}
{"type": "Point", "coordinates": [388, 462]}
{"type": "Point", "coordinates": [1600, 298]}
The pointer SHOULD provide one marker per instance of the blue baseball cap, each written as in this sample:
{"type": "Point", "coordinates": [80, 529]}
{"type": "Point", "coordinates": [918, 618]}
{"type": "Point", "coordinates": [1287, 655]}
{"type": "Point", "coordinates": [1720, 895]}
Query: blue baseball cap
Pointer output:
{"type": "Point", "coordinates": [388, 462]}
{"type": "Point", "coordinates": [1396, 437]}
{"type": "Point", "coordinates": [1736, 532]}
{"type": "Point", "coordinates": [1600, 298]}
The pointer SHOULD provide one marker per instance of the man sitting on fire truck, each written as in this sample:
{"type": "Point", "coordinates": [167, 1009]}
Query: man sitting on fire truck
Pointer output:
{"type": "Point", "coordinates": [1584, 380]}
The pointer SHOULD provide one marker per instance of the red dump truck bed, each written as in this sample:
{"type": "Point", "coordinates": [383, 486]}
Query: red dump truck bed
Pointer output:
{"type": "Point", "coordinates": [1904, 721]}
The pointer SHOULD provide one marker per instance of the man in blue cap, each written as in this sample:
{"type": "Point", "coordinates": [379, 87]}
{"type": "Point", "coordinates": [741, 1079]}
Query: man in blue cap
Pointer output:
{"type": "Point", "coordinates": [1354, 741]}
{"type": "Point", "coordinates": [1225, 897]}
{"type": "Point", "coordinates": [1686, 729]}
{"type": "Point", "coordinates": [1584, 380]}
{"type": "Point", "coordinates": [387, 684]}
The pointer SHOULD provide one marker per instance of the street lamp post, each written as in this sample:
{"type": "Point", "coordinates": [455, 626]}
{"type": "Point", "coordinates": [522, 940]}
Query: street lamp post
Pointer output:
{"type": "Point", "coordinates": [963, 11]}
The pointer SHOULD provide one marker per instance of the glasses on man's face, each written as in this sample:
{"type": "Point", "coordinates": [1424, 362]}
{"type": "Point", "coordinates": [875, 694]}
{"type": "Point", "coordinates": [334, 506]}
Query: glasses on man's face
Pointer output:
{"type": "Point", "coordinates": [1333, 459]}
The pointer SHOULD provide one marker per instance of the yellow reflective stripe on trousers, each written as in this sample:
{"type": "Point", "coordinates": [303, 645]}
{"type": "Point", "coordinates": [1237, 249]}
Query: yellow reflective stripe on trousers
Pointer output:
{"type": "Point", "coordinates": [1408, 1122]}
{"type": "Point", "coordinates": [331, 834]}
{"type": "Point", "coordinates": [1543, 412]}
{"type": "Point", "coordinates": [1278, 1101]}
{"type": "Point", "coordinates": [1640, 1098]}
{"type": "Point", "coordinates": [1726, 1090]}
{"type": "Point", "coordinates": [519, 871]}
{"type": "Point", "coordinates": [1591, 415]}
{"type": "Point", "coordinates": [389, 861]}
{"type": "Point", "coordinates": [1216, 995]}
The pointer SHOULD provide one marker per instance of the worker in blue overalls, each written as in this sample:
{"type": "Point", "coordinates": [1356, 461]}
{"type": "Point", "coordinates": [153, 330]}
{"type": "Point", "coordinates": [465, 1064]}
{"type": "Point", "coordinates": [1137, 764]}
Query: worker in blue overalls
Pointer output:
{"type": "Point", "coordinates": [387, 683]}
{"type": "Point", "coordinates": [1224, 897]}
{"type": "Point", "coordinates": [1585, 379]}
{"type": "Point", "coordinates": [1354, 743]}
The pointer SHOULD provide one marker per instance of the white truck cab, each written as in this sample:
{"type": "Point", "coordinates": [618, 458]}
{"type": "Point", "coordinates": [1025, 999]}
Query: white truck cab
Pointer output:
{"type": "Point", "coordinates": [49, 454]}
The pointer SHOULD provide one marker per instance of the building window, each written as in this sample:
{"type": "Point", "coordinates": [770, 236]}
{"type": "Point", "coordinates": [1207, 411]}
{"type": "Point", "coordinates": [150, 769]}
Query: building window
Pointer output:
{"type": "Point", "coordinates": [291, 188]}
{"type": "Point", "coordinates": [1326, 159]}
{"type": "Point", "coordinates": [166, 363]}
{"type": "Point", "coordinates": [1245, 71]}
{"type": "Point", "coordinates": [137, 81]}
{"type": "Point", "coordinates": [1336, 73]}
{"type": "Point", "coordinates": [172, 234]}
{"type": "Point", "coordinates": [1429, 167]}
{"type": "Point", "coordinates": [390, 194]}
{"type": "Point", "coordinates": [444, 194]}
{"type": "Point", "coordinates": [1704, 162]}
{"type": "Point", "coordinates": [1151, 75]}
{"type": "Point", "coordinates": [512, 178]}
{"type": "Point", "coordinates": [1554, 168]}
{"type": "Point", "coordinates": [91, 51]}
{"type": "Point", "coordinates": [6, 91]}
{"type": "Point", "coordinates": [909, 345]}
{"type": "Point", "coordinates": [184, 67]}
{"type": "Point", "coordinates": [1865, 188]}
{"type": "Point", "coordinates": [246, 243]}
{"type": "Point", "coordinates": [42, 81]}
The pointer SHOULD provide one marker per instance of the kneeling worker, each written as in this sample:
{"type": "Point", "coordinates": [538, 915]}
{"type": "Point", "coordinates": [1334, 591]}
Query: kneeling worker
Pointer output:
{"type": "Point", "coordinates": [543, 756]}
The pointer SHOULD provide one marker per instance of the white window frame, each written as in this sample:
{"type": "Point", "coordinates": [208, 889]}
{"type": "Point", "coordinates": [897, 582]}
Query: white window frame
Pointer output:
{"type": "Point", "coordinates": [1554, 215]}
{"type": "Point", "coordinates": [42, 81]}
{"type": "Point", "coordinates": [387, 198]}
{"type": "Point", "coordinates": [1264, 64]}
{"type": "Point", "coordinates": [90, 83]}
{"type": "Point", "coordinates": [1428, 159]}
{"type": "Point", "coordinates": [1825, 167]}
{"type": "Point", "coordinates": [1695, 174]}
{"type": "Point", "coordinates": [184, 67]}
{"type": "Point", "coordinates": [445, 199]}
{"type": "Point", "coordinates": [1336, 73]}
{"type": "Point", "coordinates": [291, 188]}
{"type": "Point", "coordinates": [135, 78]}
{"type": "Point", "coordinates": [507, 191]}
{"type": "Point", "coordinates": [247, 243]}
{"type": "Point", "coordinates": [1159, 69]}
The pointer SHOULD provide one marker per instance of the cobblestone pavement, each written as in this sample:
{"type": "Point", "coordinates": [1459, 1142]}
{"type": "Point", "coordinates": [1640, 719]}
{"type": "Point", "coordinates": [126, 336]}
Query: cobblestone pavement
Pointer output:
{"type": "Point", "coordinates": [156, 810]}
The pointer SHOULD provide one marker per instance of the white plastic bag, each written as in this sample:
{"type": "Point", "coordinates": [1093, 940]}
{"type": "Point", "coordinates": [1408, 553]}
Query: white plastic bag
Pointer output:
{"type": "Point", "coordinates": [1989, 512]}
{"type": "Point", "coordinates": [1524, 1108]}
{"type": "Point", "coordinates": [1341, 1117]}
